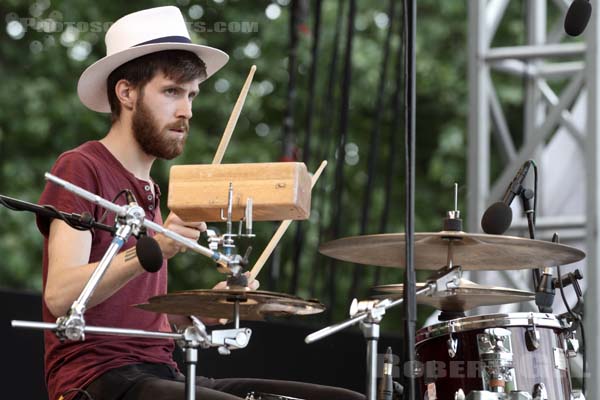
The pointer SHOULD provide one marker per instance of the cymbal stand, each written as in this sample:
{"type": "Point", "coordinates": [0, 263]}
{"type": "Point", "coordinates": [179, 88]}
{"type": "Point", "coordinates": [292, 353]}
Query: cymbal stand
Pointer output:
{"type": "Point", "coordinates": [71, 326]}
{"type": "Point", "coordinates": [190, 339]}
{"type": "Point", "coordinates": [369, 314]}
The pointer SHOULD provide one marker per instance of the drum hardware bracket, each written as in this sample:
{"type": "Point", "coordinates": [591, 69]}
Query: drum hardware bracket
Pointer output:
{"type": "Point", "coordinates": [452, 342]}
{"type": "Point", "coordinates": [195, 336]}
{"type": "Point", "coordinates": [236, 267]}
{"type": "Point", "coordinates": [539, 392]}
{"type": "Point", "coordinates": [449, 279]}
{"type": "Point", "coordinates": [532, 334]}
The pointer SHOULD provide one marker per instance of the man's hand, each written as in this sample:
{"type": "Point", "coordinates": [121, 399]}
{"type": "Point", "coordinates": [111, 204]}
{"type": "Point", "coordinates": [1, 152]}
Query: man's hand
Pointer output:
{"type": "Point", "coordinates": [252, 284]}
{"type": "Point", "coordinates": [190, 230]}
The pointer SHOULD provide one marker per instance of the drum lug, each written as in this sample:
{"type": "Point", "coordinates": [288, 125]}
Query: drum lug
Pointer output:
{"type": "Point", "coordinates": [572, 347]}
{"type": "Point", "coordinates": [452, 347]}
{"type": "Point", "coordinates": [539, 392]}
{"type": "Point", "coordinates": [452, 342]}
{"type": "Point", "coordinates": [532, 335]}
{"type": "Point", "coordinates": [495, 352]}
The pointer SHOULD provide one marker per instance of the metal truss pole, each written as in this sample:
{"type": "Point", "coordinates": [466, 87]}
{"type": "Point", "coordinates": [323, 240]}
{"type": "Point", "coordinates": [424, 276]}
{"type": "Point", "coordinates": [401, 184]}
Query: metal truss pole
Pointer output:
{"type": "Point", "coordinates": [592, 295]}
{"type": "Point", "coordinates": [547, 109]}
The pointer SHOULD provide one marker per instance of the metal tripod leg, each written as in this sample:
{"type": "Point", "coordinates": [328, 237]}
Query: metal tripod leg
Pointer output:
{"type": "Point", "coordinates": [191, 360]}
{"type": "Point", "coordinates": [371, 333]}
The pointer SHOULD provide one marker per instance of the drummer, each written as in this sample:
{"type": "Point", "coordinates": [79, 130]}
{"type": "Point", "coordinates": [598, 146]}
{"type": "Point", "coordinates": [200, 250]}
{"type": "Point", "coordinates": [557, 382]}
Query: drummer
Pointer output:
{"type": "Point", "coordinates": [147, 82]}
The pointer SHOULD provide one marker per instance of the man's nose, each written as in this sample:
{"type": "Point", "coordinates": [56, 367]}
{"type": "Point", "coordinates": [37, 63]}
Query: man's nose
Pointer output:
{"type": "Point", "coordinates": [184, 109]}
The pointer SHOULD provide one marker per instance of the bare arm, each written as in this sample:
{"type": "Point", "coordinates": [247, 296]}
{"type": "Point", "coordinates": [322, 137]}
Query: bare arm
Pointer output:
{"type": "Point", "coordinates": [68, 268]}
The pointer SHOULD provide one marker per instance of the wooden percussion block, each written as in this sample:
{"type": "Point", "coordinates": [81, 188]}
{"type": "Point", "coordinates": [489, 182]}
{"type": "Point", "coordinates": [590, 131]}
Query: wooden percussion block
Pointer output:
{"type": "Point", "coordinates": [279, 191]}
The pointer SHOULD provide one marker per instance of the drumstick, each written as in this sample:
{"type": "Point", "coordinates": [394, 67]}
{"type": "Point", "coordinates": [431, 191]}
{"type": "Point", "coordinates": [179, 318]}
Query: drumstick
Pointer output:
{"type": "Point", "coordinates": [233, 118]}
{"type": "Point", "coordinates": [280, 231]}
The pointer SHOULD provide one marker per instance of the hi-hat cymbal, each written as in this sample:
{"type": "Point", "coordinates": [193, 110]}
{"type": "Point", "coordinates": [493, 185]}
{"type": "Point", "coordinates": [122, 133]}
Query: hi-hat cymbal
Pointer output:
{"type": "Point", "coordinates": [210, 303]}
{"type": "Point", "coordinates": [466, 296]}
{"type": "Point", "coordinates": [470, 251]}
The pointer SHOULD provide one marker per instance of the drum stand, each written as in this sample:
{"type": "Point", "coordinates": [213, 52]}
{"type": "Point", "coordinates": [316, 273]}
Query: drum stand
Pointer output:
{"type": "Point", "coordinates": [369, 314]}
{"type": "Point", "coordinates": [130, 220]}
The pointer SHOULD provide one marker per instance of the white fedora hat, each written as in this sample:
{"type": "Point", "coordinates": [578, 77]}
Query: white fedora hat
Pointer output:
{"type": "Point", "coordinates": [135, 35]}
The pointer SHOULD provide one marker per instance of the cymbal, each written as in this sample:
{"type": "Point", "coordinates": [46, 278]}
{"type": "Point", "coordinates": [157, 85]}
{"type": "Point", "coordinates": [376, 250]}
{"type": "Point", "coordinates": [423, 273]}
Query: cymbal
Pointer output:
{"type": "Point", "coordinates": [470, 251]}
{"type": "Point", "coordinates": [255, 305]}
{"type": "Point", "coordinates": [466, 296]}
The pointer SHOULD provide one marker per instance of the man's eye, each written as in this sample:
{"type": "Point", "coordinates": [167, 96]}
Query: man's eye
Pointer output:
{"type": "Point", "coordinates": [171, 91]}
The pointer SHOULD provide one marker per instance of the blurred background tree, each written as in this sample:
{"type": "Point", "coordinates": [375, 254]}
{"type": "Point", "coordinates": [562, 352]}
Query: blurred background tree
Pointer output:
{"type": "Point", "coordinates": [45, 45]}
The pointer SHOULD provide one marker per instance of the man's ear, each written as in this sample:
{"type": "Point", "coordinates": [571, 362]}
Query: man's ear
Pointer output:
{"type": "Point", "coordinates": [126, 94]}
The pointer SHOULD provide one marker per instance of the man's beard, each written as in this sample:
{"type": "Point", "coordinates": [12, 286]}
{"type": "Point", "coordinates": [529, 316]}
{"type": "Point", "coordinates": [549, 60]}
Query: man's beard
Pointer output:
{"type": "Point", "coordinates": [153, 140]}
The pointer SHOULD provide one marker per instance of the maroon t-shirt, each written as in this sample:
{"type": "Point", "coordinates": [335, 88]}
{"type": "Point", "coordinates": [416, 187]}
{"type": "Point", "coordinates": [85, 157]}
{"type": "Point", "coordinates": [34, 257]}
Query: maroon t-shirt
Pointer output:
{"type": "Point", "coordinates": [75, 364]}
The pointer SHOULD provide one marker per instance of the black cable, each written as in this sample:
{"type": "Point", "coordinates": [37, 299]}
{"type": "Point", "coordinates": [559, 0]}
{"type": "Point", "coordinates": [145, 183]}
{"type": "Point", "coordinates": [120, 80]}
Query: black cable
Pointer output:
{"type": "Point", "coordinates": [396, 107]}
{"type": "Point", "coordinates": [535, 190]}
{"type": "Point", "coordinates": [318, 272]}
{"type": "Point", "coordinates": [341, 153]}
{"type": "Point", "coordinates": [306, 152]}
{"type": "Point", "coordinates": [535, 272]}
{"type": "Point", "coordinates": [121, 193]}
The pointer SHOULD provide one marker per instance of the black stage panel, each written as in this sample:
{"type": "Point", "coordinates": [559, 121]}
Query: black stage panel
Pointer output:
{"type": "Point", "coordinates": [22, 350]}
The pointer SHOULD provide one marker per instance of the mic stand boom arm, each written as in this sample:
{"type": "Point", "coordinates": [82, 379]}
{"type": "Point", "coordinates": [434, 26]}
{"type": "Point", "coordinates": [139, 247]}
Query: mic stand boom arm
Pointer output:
{"type": "Point", "coordinates": [130, 219]}
{"type": "Point", "coordinates": [75, 220]}
{"type": "Point", "coordinates": [219, 258]}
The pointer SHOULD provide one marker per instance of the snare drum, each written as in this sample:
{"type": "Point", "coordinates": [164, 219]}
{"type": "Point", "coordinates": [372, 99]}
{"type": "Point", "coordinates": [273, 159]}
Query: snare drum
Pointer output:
{"type": "Point", "coordinates": [498, 353]}
{"type": "Point", "coordinates": [267, 396]}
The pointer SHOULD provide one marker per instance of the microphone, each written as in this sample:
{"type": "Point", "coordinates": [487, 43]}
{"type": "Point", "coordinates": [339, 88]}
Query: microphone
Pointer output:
{"type": "Point", "coordinates": [497, 218]}
{"type": "Point", "coordinates": [386, 385]}
{"type": "Point", "coordinates": [578, 16]}
{"type": "Point", "coordinates": [149, 253]}
{"type": "Point", "coordinates": [544, 292]}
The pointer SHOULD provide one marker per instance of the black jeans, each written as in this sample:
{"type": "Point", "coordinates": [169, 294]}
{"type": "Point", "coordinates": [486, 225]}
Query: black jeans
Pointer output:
{"type": "Point", "coordinates": [160, 382]}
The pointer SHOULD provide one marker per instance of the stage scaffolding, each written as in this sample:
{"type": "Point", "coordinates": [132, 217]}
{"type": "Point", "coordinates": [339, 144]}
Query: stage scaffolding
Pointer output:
{"type": "Point", "coordinates": [546, 57]}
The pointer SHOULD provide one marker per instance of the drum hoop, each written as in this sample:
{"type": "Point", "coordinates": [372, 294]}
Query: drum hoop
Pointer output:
{"type": "Point", "coordinates": [488, 321]}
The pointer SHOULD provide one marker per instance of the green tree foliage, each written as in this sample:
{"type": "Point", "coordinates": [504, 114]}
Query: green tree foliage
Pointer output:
{"type": "Point", "coordinates": [41, 116]}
